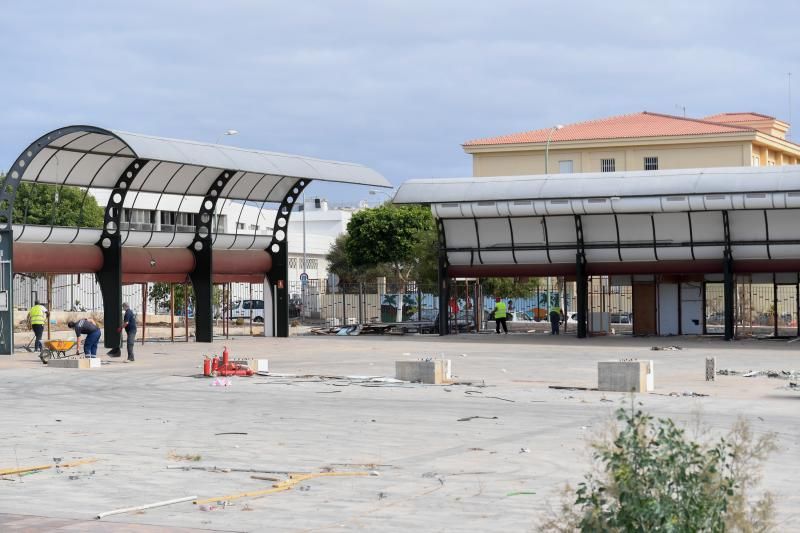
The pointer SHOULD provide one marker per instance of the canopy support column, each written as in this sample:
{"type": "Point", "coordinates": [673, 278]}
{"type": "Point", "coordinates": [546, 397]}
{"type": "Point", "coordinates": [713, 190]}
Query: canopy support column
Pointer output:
{"type": "Point", "coordinates": [582, 288]}
{"type": "Point", "coordinates": [110, 276]}
{"type": "Point", "coordinates": [444, 282]}
{"type": "Point", "coordinates": [581, 279]}
{"type": "Point", "coordinates": [279, 251]}
{"type": "Point", "coordinates": [729, 290]}
{"type": "Point", "coordinates": [202, 250]}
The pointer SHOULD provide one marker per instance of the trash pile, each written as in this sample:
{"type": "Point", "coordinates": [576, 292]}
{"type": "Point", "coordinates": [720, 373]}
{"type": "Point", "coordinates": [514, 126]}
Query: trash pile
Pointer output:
{"type": "Point", "coordinates": [672, 348]}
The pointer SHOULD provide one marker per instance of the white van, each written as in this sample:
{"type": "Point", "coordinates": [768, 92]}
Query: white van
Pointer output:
{"type": "Point", "coordinates": [243, 309]}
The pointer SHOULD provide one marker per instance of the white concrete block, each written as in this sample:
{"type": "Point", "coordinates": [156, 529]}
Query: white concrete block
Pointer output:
{"type": "Point", "coordinates": [625, 376]}
{"type": "Point", "coordinates": [74, 363]}
{"type": "Point", "coordinates": [434, 372]}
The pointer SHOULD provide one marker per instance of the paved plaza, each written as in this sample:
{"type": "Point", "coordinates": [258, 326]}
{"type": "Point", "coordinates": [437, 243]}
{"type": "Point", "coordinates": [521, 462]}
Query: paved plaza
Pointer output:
{"type": "Point", "coordinates": [489, 456]}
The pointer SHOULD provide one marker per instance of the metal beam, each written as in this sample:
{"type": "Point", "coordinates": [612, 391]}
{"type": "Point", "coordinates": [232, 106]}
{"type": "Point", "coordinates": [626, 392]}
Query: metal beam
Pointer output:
{"type": "Point", "coordinates": [279, 251]}
{"type": "Point", "coordinates": [444, 282]}
{"type": "Point", "coordinates": [8, 193]}
{"type": "Point", "coordinates": [110, 276]}
{"type": "Point", "coordinates": [202, 249]}
{"type": "Point", "coordinates": [729, 282]}
{"type": "Point", "coordinates": [582, 281]}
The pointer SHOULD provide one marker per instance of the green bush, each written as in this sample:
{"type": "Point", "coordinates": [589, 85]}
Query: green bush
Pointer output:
{"type": "Point", "coordinates": [652, 478]}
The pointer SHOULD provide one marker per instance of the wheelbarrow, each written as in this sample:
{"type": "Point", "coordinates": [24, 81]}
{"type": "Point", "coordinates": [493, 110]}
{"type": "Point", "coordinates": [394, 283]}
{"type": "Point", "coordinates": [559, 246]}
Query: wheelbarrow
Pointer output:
{"type": "Point", "coordinates": [56, 349]}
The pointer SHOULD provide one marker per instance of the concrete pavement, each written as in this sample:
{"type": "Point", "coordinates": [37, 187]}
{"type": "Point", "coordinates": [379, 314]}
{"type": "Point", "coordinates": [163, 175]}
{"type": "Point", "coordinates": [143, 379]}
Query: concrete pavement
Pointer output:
{"type": "Point", "coordinates": [437, 472]}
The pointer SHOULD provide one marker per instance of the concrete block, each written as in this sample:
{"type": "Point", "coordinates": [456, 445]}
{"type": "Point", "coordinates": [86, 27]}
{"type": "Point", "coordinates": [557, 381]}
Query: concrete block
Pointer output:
{"type": "Point", "coordinates": [435, 372]}
{"type": "Point", "coordinates": [625, 376]}
{"type": "Point", "coordinates": [74, 363]}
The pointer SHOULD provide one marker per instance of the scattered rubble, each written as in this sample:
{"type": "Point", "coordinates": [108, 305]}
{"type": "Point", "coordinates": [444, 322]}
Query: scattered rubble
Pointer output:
{"type": "Point", "coordinates": [672, 348]}
{"type": "Point", "coordinates": [775, 374]}
{"type": "Point", "coordinates": [468, 418]}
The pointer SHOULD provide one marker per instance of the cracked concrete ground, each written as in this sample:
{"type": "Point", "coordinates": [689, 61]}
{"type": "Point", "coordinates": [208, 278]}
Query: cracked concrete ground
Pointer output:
{"type": "Point", "coordinates": [436, 473]}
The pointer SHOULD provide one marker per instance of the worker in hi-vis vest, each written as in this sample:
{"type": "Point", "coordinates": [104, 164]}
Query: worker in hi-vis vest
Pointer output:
{"type": "Point", "coordinates": [38, 316]}
{"type": "Point", "coordinates": [555, 319]}
{"type": "Point", "coordinates": [499, 313]}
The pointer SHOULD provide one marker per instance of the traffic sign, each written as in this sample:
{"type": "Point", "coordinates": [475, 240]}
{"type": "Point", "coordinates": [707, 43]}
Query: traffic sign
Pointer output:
{"type": "Point", "coordinates": [303, 279]}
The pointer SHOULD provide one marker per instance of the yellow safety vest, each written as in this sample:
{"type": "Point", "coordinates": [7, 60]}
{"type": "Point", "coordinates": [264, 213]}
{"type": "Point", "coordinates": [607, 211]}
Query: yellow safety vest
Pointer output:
{"type": "Point", "coordinates": [555, 309]}
{"type": "Point", "coordinates": [36, 314]}
{"type": "Point", "coordinates": [500, 310]}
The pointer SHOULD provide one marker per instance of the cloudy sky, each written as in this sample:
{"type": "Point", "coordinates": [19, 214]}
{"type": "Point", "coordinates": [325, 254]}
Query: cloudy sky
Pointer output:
{"type": "Point", "coordinates": [394, 84]}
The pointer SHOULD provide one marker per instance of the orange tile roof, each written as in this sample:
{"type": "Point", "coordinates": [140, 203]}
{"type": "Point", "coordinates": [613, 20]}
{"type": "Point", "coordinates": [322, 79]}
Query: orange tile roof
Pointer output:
{"type": "Point", "coordinates": [644, 124]}
{"type": "Point", "coordinates": [726, 118]}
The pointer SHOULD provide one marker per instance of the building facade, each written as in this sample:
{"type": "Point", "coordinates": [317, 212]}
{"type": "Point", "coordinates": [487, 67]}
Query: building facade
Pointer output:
{"type": "Point", "coordinates": [639, 141]}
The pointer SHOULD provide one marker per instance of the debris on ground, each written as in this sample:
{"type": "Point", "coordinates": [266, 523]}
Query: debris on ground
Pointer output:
{"type": "Point", "coordinates": [689, 394]}
{"type": "Point", "coordinates": [564, 387]}
{"type": "Point", "coordinates": [184, 457]}
{"type": "Point", "coordinates": [672, 348]}
{"type": "Point", "coordinates": [145, 506]}
{"type": "Point", "coordinates": [294, 480]}
{"type": "Point", "coordinates": [57, 464]}
{"type": "Point", "coordinates": [468, 418]}
{"type": "Point", "coordinates": [524, 450]}
{"type": "Point", "coordinates": [775, 374]}
{"type": "Point", "coordinates": [231, 433]}
{"type": "Point", "coordinates": [520, 493]}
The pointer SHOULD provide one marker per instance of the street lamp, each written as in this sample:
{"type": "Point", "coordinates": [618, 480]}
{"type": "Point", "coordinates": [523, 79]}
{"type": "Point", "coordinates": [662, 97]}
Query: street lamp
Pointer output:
{"type": "Point", "coordinates": [373, 192]}
{"type": "Point", "coordinates": [227, 133]}
{"type": "Point", "coordinates": [547, 146]}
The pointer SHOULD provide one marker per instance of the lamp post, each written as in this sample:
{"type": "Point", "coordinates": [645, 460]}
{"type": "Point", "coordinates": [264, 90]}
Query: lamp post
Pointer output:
{"type": "Point", "coordinates": [373, 192]}
{"type": "Point", "coordinates": [547, 147]}
{"type": "Point", "coordinates": [226, 133]}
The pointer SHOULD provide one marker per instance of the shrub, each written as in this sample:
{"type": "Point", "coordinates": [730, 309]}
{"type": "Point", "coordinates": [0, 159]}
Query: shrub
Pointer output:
{"type": "Point", "coordinates": [652, 478]}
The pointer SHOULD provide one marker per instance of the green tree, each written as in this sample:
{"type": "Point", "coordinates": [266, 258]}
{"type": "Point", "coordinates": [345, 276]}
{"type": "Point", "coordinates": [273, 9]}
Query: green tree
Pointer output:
{"type": "Point", "coordinates": [160, 295]}
{"type": "Point", "coordinates": [339, 264]}
{"type": "Point", "coordinates": [510, 287]}
{"type": "Point", "coordinates": [393, 237]}
{"type": "Point", "coordinates": [38, 203]}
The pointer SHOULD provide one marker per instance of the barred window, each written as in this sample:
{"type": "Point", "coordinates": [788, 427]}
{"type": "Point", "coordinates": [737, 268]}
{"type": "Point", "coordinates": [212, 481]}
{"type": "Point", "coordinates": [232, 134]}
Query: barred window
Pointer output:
{"type": "Point", "coordinates": [651, 163]}
{"type": "Point", "coordinates": [293, 262]}
{"type": "Point", "coordinates": [312, 264]}
{"type": "Point", "coordinates": [608, 165]}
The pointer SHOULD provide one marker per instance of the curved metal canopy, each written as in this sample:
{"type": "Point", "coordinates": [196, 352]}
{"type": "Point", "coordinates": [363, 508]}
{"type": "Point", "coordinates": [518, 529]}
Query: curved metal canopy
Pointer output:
{"type": "Point", "coordinates": [87, 156]}
{"type": "Point", "coordinates": [490, 226]}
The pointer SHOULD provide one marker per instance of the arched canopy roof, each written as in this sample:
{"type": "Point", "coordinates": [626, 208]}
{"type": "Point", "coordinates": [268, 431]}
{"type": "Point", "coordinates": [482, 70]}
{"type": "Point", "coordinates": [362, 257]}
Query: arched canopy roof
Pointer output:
{"type": "Point", "coordinates": [88, 156]}
{"type": "Point", "coordinates": [644, 221]}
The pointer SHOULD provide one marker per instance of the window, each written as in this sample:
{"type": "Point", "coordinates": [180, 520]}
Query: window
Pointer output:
{"type": "Point", "coordinates": [240, 225]}
{"type": "Point", "coordinates": [293, 262]}
{"type": "Point", "coordinates": [651, 163]}
{"type": "Point", "coordinates": [756, 161]}
{"type": "Point", "coordinates": [565, 167]}
{"type": "Point", "coordinates": [608, 165]}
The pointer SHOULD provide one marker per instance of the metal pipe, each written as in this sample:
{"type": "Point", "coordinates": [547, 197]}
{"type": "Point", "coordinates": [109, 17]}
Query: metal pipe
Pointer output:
{"type": "Point", "coordinates": [172, 312]}
{"type": "Point", "coordinates": [186, 309]}
{"type": "Point", "coordinates": [251, 309]}
{"type": "Point", "coordinates": [144, 312]}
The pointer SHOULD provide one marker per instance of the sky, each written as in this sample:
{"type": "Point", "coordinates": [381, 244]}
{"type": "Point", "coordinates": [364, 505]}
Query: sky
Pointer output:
{"type": "Point", "coordinates": [397, 85]}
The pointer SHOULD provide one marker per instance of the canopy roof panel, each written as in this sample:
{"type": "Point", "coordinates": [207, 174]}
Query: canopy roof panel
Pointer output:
{"type": "Point", "coordinates": [88, 156]}
{"type": "Point", "coordinates": [602, 185]}
{"type": "Point", "coordinates": [538, 224]}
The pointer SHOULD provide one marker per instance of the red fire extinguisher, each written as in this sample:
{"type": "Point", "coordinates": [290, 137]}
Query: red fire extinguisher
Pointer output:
{"type": "Point", "coordinates": [214, 364]}
{"type": "Point", "coordinates": [207, 367]}
{"type": "Point", "coordinates": [225, 356]}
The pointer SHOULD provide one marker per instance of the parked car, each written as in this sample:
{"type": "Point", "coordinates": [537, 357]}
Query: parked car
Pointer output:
{"type": "Point", "coordinates": [245, 308]}
{"type": "Point", "coordinates": [620, 318]}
